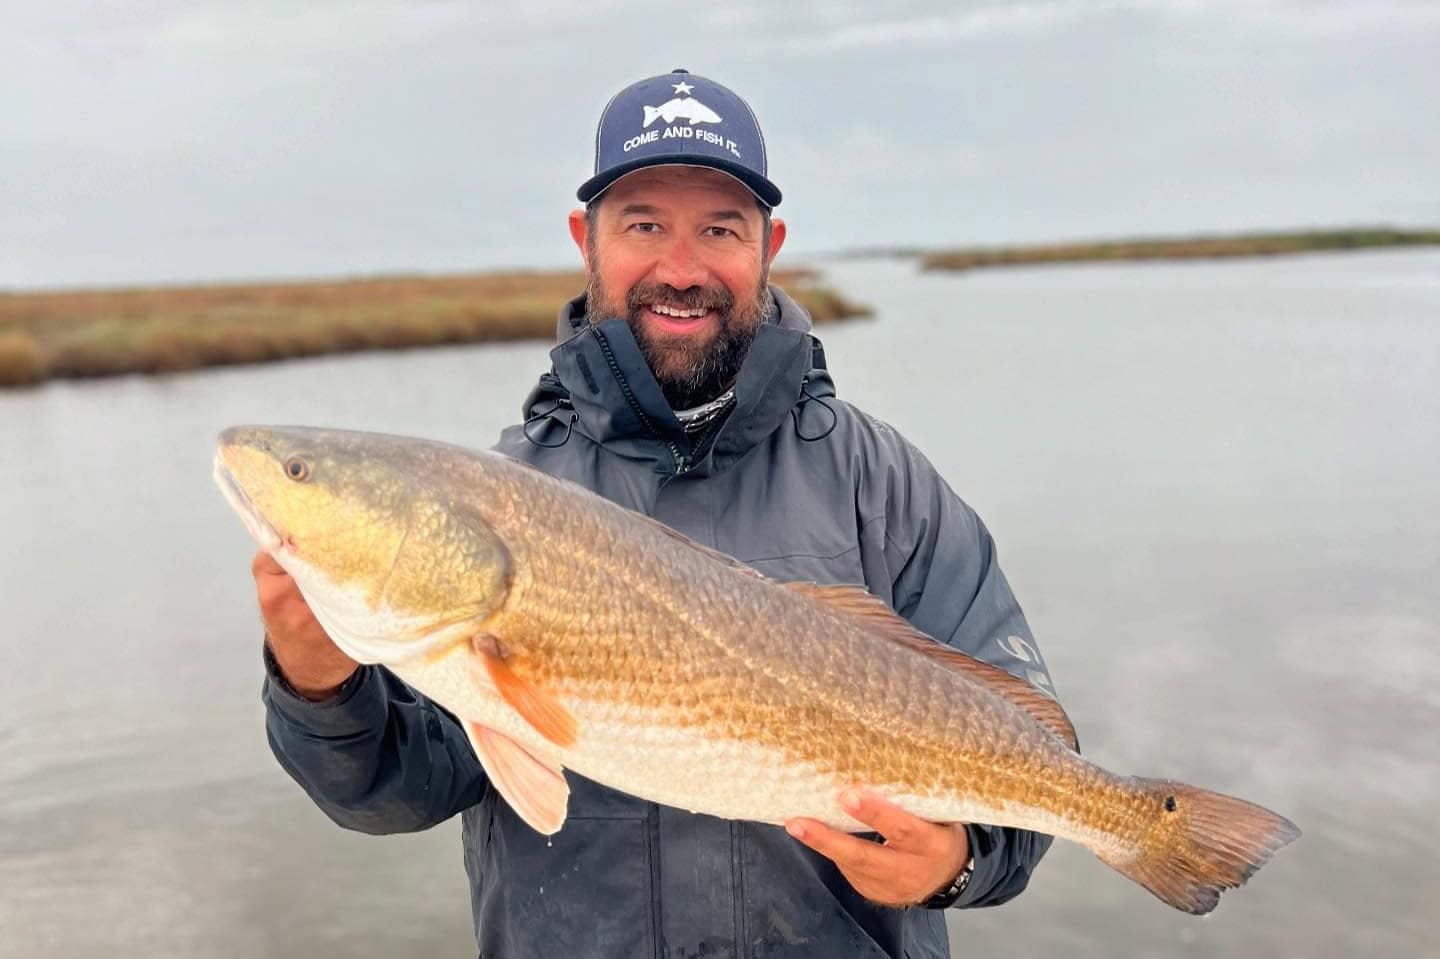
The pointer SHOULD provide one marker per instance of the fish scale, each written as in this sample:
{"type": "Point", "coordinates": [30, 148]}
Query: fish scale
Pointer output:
{"type": "Point", "coordinates": [569, 633]}
{"type": "Point", "coordinates": [834, 735]}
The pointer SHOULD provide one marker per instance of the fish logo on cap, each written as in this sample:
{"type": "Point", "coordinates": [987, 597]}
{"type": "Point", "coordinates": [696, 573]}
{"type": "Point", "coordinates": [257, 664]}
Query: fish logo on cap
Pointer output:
{"type": "Point", "coordinates": [681, 107]}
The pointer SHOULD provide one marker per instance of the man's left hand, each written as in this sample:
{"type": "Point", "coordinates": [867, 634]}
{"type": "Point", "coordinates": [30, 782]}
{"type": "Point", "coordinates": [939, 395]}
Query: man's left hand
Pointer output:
{"type": "Point", "coordinates": [917, 859]}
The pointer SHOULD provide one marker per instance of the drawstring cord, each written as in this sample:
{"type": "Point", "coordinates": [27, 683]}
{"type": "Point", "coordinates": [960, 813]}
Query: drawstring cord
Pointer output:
{"type": "Point", "coordinates": [544, 415]}
{"type": "Point", "coordinates": [809, 397]}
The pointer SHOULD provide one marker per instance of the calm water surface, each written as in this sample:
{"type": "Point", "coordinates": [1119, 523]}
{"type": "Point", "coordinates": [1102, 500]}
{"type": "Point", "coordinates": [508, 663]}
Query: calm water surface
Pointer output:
{"type": "Point", "coordinates": [1216, 490]}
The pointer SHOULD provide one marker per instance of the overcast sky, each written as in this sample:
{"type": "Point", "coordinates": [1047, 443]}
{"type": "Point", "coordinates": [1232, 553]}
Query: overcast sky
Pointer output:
{"type": "Point", "coordinates": [214, 139]}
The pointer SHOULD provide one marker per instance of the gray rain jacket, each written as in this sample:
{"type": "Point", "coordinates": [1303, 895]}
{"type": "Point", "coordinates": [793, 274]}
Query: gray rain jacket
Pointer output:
{"type": "Point", "coordinates": [799, 485]}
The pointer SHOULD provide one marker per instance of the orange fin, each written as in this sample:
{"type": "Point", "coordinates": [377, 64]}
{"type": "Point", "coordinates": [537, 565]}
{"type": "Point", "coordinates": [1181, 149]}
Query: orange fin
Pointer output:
{"type": "Point", "coordinates": [535, 789]}
{"type": "Point", "coordinates": [1201, 844]}
{"type": "Point", "coordinates": [878, 618]}
{"type": "Point", "coordinates": [535, 705]}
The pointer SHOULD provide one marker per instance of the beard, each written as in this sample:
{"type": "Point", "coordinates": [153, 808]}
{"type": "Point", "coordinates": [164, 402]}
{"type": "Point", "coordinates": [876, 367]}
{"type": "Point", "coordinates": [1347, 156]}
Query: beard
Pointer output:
{"type": "Point", "coordinates": [690, 370]}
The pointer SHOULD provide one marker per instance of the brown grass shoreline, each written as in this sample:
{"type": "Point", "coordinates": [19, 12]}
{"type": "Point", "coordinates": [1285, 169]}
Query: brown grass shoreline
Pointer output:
{"type": "Point", "coordinates": [1182, 248]}
{"type": "Point", "coordinates": [92, 333]}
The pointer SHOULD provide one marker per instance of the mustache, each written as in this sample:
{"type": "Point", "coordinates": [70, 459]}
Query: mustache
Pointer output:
{"type": "Point", "coordinates": [644, 294]}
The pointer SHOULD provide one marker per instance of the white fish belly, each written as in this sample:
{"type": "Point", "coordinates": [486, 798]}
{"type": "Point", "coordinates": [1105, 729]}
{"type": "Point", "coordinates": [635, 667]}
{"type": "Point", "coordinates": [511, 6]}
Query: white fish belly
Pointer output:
{"type": "Point", "coordinates": [644, 754]}
{"type": "Point", "coordinates": [640, 753]}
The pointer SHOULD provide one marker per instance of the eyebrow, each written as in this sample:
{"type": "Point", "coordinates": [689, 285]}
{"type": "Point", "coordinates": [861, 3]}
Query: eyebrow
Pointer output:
{"type": "Point", "coordinates": [645, 209]}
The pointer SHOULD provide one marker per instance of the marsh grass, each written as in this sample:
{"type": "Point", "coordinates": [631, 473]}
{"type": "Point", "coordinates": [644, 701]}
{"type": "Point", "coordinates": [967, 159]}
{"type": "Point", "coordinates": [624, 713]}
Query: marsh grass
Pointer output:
{"type": "Point", "coordinates": [1182, 248]}
{"type": "Point", "coordinates": [161, 330]}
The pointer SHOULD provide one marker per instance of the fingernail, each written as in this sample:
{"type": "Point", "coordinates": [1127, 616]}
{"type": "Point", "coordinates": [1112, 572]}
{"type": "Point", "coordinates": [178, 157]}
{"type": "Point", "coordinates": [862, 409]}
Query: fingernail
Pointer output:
{"type": "Point", "coordinates": [850, 800]}
{"type": "Point", "coordinates": [795, 829]}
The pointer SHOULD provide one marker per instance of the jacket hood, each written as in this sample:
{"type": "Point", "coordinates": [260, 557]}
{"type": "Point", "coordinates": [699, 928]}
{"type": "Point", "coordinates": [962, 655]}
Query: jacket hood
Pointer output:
{"type": "Point", "coordinates": [600, 386]}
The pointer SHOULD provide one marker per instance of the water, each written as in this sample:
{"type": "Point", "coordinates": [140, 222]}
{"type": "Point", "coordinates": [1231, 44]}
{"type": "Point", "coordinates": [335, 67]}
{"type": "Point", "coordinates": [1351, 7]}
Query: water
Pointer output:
{"type": "Point", "coordinates": [1216, 490]}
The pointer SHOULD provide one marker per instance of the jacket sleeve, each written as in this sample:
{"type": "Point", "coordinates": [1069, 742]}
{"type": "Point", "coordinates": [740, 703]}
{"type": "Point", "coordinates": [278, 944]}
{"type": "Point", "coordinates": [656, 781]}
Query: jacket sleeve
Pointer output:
{"type": "Point", "coordinates": [947, 582]}
{"type": "Point", "coordinates": [376, 757]}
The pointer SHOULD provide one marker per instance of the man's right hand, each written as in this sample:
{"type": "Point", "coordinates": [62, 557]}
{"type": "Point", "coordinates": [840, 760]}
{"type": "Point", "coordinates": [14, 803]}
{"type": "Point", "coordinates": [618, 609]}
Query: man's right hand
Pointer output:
{"type": "Point", "coordinates": [311, 662]}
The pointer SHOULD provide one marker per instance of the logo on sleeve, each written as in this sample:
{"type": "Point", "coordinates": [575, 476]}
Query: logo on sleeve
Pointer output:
{"type": "Point", "coordinates": [1017, 646]}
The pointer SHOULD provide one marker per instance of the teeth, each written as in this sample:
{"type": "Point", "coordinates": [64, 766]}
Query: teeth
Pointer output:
{"type": "Point", "coordinates": [664, 310]}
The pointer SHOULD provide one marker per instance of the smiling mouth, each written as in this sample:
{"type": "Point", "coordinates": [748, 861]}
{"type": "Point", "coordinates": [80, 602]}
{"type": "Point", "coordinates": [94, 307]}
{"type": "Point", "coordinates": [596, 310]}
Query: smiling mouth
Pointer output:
{"type": "Point", "coordinates": [256, 525]}
{"type": "Point", "coordinates": [676, 318]}
{"type": "Point", "coordinates": [679, 313]}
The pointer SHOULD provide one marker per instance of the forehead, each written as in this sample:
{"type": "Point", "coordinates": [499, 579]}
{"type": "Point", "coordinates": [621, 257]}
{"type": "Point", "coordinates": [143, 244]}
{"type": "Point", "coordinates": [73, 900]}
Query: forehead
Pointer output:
{"type": "Point", "coordinates": [680, 186]}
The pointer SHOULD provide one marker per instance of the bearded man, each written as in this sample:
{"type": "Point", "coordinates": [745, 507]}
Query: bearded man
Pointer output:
{"type": "Point", "coordinates": [687, 388]}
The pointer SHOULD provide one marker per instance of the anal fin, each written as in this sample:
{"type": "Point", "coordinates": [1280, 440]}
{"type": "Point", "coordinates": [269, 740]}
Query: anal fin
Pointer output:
{"type": "Point", "coordinates": [535, 789]}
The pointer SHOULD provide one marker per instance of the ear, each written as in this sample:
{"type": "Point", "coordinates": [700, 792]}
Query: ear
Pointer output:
{"type": "Point", "coordinates": [579, 232]}
{"type": "Point", "coordinates": [777, 238]}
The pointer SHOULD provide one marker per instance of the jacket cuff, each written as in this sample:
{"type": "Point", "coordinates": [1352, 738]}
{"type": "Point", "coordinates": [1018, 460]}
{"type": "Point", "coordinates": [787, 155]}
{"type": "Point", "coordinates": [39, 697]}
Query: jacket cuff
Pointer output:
{"type": "Point", "coordinates": [986, 844]}
{"type": "Point", "coordinates": [358, 706]}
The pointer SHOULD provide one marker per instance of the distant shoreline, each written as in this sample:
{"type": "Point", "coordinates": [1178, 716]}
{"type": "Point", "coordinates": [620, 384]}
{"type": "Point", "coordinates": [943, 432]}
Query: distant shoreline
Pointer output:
{"type": "Point", "coordinates": [92, 333]}
{"type": "Point", "coordinates": [1203, 247]}
{"type": "Point", "coordinates": [1196, 246]}
{"type": "Point", "coordinates": [111, 332]}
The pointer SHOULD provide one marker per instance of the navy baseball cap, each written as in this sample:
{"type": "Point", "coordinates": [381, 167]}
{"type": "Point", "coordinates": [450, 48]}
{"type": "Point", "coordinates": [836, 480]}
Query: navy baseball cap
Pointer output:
{"type": "Point", "coordinates": [679, 118]}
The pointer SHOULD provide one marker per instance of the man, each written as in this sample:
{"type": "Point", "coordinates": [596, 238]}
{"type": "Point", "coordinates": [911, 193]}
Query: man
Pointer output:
{"type": "Point", "coordinates": [687, 388]}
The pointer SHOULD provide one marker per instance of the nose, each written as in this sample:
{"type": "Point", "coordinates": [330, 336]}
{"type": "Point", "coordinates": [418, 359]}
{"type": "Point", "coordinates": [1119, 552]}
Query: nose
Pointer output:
{"type": "Point", "coordinates": [680, 266]}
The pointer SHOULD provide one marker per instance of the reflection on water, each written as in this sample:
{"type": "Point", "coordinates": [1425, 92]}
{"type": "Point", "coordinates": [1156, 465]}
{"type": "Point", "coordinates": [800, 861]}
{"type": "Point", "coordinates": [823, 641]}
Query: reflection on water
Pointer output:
{"type": "Point", "coordinates": [1214, 487]}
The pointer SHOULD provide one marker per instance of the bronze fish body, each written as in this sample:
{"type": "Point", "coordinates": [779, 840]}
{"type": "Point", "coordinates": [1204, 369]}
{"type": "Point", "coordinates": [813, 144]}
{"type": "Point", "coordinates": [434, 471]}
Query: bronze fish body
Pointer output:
{"type": "Point", "coordinates": [569, 633]}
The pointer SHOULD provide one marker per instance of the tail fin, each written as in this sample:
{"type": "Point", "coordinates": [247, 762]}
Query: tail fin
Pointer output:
{"type": "Point", "coordinates": [1203, 843]}
{"type": "Point", "coordinates": [650, 114]}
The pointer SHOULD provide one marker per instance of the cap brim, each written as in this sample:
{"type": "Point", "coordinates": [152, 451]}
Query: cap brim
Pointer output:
{"type": "Point", "coordinates": [767, 192]}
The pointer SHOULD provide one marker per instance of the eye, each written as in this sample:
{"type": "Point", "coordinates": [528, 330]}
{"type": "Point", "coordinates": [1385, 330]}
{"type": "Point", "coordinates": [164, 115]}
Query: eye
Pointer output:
{"type": "Point", "coordinates": [645, 227]}
{"type": "Point", "coordinates": [719, 231]}
{"type": "Point", "coordinates": [297, 469]}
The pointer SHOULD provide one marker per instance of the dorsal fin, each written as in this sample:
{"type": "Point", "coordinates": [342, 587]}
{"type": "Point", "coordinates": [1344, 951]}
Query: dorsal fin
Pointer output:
{"type": "Point", "coordinates": [880, 619]}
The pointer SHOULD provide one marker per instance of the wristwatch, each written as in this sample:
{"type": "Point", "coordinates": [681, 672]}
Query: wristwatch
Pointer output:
{"type": "Point", "coordinates": [946, 897]}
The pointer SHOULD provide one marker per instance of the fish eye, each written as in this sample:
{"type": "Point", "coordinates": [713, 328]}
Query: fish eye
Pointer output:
{"type": "Point", "coordinates": [297, 469]}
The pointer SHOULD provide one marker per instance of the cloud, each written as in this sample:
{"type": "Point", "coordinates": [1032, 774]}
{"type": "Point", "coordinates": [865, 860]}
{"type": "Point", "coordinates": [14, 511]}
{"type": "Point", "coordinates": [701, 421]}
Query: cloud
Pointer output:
{"type": "Point", "coordinates": [161, 139]}
{"type": "Point", "coordinates": [926, 28]}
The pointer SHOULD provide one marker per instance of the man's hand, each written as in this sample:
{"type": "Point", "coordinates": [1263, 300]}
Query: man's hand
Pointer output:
{"type": "Point", "coordinates": [313, 665]}
{"type": "Point", "coordinates": [917, 859]}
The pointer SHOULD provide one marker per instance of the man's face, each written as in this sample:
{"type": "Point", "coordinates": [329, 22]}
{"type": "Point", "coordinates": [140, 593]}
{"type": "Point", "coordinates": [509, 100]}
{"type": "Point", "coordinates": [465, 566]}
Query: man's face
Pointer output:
{"type": "Point", "coordinates": [680, 253]}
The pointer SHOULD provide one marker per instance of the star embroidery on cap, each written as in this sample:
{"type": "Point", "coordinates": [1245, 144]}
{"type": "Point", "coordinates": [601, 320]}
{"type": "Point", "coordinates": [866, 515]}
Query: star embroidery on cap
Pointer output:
{"type": "Point", "coordinates": [682, 87]}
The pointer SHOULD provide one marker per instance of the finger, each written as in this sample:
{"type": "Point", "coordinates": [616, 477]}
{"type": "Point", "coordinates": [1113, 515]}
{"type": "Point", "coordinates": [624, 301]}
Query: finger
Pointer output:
{"type": "Point", "coordinates": [264, 565]}
{"type": "Point", "coordinates": [851, 853]}
{"type": "Point", "coordinates": [902, 830]}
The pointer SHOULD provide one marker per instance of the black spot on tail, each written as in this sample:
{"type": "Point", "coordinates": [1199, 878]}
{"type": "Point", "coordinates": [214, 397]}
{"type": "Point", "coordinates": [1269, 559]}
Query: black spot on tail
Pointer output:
{"type": "Point", "coordinates": [1215, 843]}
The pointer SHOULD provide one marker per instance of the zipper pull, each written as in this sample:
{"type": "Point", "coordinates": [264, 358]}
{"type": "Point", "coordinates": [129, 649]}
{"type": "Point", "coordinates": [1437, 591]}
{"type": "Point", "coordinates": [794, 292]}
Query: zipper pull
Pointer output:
{"type": "Point", "coordinates": [680, 465]}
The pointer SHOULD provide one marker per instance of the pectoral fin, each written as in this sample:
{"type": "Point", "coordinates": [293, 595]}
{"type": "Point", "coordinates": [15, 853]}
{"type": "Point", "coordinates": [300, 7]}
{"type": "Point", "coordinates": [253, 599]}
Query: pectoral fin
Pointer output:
{"type": "Point", "coordinates": [538, 708]}
{"type": "Point", "coordinates": [535, 789]}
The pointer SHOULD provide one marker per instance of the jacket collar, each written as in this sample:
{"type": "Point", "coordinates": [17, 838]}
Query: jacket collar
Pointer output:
{"type": "Point", "coordinates": [600, 385]}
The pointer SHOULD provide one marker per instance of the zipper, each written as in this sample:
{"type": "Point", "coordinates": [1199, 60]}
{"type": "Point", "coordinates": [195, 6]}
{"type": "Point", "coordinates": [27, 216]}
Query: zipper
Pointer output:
{"type": "Point", "coordinates": [681, 464]}
{"type": "Point", "coordinates": [700, 445]}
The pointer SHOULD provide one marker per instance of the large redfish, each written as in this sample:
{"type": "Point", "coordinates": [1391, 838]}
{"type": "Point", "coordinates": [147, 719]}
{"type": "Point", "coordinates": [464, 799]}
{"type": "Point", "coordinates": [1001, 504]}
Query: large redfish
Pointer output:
{"type": "Point", "coordinates": [568, 633]}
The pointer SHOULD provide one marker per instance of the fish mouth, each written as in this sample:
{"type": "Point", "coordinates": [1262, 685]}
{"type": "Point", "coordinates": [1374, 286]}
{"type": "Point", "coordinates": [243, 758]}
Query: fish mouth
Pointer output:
{"type": "Point", "coordinates": [256, 525]}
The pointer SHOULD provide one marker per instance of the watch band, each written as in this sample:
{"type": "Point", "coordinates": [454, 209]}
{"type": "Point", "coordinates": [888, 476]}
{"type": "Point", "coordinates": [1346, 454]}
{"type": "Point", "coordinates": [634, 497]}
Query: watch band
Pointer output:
{"type": "Point", "coordinates": [946, 897]}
